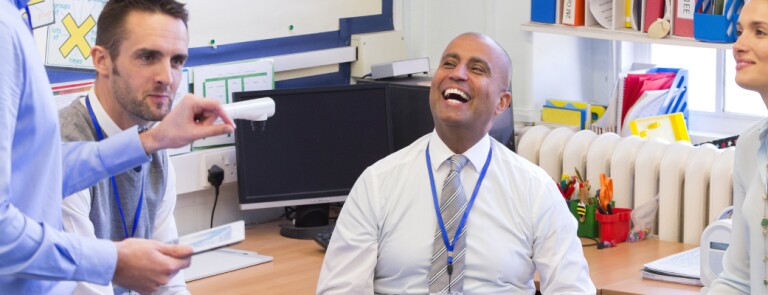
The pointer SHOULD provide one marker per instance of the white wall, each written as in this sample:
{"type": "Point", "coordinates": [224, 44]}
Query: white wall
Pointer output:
{"type": "Point", "coordinates": [428, 25]}
{"type": "Point", "coordinates": [193, 210]}
{"type": "Point", "coordinates": [232, 21]}
{"type": "Point", "coordinates": [544, 66]}
{"type": "Point", "coordinates": [571, 68]}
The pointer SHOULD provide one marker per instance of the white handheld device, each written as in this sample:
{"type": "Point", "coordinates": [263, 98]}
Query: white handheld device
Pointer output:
{"type": "Point", "coordinates": [214, 238]}
{"type": "Point", "coordinates": [714, 241]}
{"type": "Point", "coordinates": [253, 109]}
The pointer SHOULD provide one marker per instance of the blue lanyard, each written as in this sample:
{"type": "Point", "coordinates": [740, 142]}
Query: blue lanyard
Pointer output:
{"type": "Point", "coordinates": [100, 136]}
{"type": "Point", "coordinates": [450, 245]}
{"type": "Point", "coordinates": [29, 17]}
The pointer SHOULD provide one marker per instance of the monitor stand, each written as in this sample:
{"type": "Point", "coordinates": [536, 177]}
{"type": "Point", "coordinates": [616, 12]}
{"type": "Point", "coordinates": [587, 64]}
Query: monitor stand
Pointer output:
{"type": "Point", "coordinates": [310, 221]}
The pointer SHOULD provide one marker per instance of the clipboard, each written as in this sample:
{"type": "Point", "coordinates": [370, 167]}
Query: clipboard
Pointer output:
{"type": "Point", "coordinates": [222, 261]}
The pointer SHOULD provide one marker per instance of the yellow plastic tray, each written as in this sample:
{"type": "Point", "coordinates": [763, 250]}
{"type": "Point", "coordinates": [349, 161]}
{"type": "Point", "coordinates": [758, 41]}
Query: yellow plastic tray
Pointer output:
{"type": "Point", "coordinates": [670, 127]}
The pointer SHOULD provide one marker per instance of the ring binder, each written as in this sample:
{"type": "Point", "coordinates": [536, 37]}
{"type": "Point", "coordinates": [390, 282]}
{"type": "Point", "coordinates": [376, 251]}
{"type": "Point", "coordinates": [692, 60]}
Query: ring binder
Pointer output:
{"type": "Point", "coordinates": [543, 11]}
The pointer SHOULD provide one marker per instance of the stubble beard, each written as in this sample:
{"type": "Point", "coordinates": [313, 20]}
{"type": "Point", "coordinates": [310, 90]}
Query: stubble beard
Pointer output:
{"type": "Point", "coordinates": [129, 100]}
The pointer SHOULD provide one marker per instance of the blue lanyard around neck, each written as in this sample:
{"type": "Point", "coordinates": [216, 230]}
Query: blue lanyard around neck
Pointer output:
{"type": "Point", "coordinates": [448, 244]}
{"type": "Point", "coordinates": [100, 136]}
{"type": "Point", "coordinates": [29, 17]}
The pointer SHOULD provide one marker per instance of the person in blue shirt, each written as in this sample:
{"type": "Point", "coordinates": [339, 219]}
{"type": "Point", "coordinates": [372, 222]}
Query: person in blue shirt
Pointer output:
{"type": "Point", "coordinates": [36, 257]}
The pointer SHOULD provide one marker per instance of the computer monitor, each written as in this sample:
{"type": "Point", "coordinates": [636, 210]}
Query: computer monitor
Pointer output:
{"type": "Point", "coordinates": [411, 116]}
{"type": "Point", "coordinates": [311, 151]}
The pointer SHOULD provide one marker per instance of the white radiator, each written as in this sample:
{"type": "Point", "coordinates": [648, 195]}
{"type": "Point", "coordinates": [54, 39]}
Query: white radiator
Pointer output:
{"type": "Point", "coordinates": [693, 183]}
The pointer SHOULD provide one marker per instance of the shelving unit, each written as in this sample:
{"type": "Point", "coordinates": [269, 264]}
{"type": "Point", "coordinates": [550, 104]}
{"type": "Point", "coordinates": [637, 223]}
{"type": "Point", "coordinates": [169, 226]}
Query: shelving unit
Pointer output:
{"type": "Point", "coordinates": [621, 34]}
{"type": "Point", "coordinates": [594, 64]}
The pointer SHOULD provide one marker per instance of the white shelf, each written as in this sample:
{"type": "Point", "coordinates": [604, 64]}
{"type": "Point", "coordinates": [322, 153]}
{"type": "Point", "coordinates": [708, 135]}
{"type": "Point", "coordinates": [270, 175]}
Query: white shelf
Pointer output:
{"type": "Point", "coordinates": [622, 34]}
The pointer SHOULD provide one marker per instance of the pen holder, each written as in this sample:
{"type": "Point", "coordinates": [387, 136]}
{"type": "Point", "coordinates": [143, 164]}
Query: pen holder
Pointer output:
{"type": "Point", "coordinates": [614, 227]}
{"type": "Point", "coordinates": [588, 227]}
{"type": "Point", "coordinates": [716, 28]}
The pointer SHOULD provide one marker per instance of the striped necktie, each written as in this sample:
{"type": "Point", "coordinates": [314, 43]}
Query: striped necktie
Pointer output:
{"type": "Point", "coordinates": [453, 202]}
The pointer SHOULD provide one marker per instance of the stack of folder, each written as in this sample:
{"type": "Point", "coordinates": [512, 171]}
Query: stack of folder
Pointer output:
{"type": "Point", "coordinates": [645, 93]}
{"type": "Point", "coordinates": [636, 15]}
{"type": "Point", "coordinates": [574, 113]}
{"type": "Point", "coordinates": [715, 19]}
{"type": "Point", "coordinates": [640, 14]}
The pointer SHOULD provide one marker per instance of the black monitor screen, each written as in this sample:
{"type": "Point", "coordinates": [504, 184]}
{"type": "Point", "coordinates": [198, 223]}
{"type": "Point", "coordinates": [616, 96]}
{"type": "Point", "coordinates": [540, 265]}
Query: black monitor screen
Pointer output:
{"type": "Point", "coordinates": [315, 146]}
{"type": "Point", "coordinates": [411, 117]}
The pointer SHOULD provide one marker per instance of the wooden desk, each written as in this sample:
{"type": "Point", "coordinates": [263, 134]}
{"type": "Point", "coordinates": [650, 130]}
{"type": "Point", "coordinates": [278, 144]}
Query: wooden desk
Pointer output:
{"type": "Point", "coordinates": [296, 267]}
{"type": "Point", "coordinates": [617, 270]}
{"type": "Point", "coordinates": [294, 270]}
{"type": "Point", "coordinates": [639, 285]}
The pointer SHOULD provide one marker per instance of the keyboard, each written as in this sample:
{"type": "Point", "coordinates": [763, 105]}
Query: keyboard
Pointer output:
{"type": "Point", "coordinates": [323, 239]}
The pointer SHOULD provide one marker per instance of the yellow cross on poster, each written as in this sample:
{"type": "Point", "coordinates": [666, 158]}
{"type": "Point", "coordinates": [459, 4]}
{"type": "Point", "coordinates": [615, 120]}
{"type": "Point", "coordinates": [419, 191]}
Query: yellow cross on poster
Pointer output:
{"type": "Point", "coordinates": [77, 36]}
{"type": "Point", "coordinates": [70, 39]}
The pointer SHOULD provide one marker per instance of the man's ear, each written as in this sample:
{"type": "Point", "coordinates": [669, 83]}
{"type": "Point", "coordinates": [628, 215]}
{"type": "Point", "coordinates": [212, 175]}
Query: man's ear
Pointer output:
{"type": "Point", "coordinates": [102, 62]}
{"type": "Point", "coordinates": [505, 98]}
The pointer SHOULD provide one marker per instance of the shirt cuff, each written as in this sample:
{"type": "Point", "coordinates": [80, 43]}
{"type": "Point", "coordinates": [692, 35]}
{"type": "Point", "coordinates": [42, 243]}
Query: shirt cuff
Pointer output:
{"type": "Point", "coordinates": [98, 264]}
{"type": "Point", "coordinates": [124, 151]}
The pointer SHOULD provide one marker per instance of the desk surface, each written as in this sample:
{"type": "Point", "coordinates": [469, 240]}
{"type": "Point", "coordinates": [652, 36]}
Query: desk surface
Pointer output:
{"type": "Point", "coordinates": [296, 267]}
{"type": "Point", "coordinates": [294, 270]}
{"type": "Point", "coordinates": [617, 270]}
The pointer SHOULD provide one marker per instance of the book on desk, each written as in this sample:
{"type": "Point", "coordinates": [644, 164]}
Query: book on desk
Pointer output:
{"type": "Point", "coordinates": [681, 268]}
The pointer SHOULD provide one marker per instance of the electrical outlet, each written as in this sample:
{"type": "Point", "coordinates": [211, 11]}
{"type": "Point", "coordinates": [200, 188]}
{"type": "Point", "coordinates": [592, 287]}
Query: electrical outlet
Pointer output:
{"type": "Point", "coordinates": [224, 158]}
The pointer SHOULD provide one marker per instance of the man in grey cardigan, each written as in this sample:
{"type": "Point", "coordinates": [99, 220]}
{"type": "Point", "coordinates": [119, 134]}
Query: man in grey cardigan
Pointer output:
{"type": "Point", "coordinates": [141, 47]}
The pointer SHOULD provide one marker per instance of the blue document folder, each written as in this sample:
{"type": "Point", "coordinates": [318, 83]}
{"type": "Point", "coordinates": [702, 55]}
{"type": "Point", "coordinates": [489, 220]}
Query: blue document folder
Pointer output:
{"type": "Point", "coordinates": [543, 11]}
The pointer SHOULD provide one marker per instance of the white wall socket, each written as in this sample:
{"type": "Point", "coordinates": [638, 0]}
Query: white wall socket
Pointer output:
{"type": "Point", "coordinates": [224, 158]}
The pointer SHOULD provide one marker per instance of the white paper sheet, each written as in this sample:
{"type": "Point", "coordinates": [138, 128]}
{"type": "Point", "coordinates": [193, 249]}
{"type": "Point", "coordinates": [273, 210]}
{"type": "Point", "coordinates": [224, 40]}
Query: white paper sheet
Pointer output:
{"type": "Point", "coordinates": [685, 263]}
{"type": "Point", "coordinates": [220, 81]}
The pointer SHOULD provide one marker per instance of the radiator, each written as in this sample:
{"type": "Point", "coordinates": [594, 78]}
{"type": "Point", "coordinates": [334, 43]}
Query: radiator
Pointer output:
{"type": "Point", "coordinates": [693, 183]}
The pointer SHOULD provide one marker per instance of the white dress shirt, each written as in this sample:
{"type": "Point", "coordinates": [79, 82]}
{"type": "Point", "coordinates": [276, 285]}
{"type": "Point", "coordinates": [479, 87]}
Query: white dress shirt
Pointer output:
{"type": "Point", "coordinates": [518, 224]}
{"type": "Point", "coordinates": [77, 207]}
{"type": "Point", "coordinates": [743, 268]}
